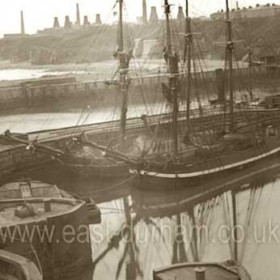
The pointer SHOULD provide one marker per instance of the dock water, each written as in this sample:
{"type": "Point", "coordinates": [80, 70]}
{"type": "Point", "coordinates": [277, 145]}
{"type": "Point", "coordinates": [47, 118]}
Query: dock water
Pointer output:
{"type": "Point", "coordinates": [142, 230]}
{"type": "Point", "coordinates": [156, 229]}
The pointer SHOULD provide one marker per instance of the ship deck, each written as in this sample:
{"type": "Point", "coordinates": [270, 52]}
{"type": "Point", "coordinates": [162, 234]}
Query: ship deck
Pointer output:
{"type": "Point", "coordinates": [133, 124]}
{"type": "Point", "coordinates": [14, 195]}
{"type": "Point", "coordinates": [8, 217]}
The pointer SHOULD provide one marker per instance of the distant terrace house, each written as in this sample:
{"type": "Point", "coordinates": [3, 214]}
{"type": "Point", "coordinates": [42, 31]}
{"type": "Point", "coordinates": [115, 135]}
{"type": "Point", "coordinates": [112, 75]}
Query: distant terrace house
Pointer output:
{"type": "Point", "coordinates": [268, 10]}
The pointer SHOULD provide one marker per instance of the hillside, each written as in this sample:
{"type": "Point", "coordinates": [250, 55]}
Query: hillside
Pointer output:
{"type": "Point", "coordinates": [97, 43]}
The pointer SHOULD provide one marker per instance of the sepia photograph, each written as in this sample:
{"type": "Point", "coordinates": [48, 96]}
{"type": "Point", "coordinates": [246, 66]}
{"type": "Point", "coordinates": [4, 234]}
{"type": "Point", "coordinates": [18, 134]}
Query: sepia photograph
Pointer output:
{"type": "Point", "coordinates": [139, 140]}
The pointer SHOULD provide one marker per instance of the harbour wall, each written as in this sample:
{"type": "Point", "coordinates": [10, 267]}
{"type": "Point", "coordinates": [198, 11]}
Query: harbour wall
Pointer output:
{"type": "Point", "coordinates": [30, 97]}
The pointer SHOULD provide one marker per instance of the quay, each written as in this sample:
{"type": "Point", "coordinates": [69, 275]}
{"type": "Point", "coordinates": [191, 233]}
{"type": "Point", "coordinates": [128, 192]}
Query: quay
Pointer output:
{"type": "Point", "coordinates": [58, 94]}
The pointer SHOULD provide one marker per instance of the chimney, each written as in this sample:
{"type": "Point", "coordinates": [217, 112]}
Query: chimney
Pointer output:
{"type": "Point", "coordinates": [67, 23]}
{"type": "Point", "coordinates": [86, 22]}
{"type": "Point", "coordinates": [56, 23]}
{"type": "Point", "coordinates": [144, 16]}
{"type": "Point", "coordinates": [78, 20]}
{"type": "Point", "coordinates": [153, 15]}
{"type": "Point", "coordinates": [180, 15]}
{"type": "Point", "coordinates": [237, 5]}
{"type": "Point", "coordinates": [98, 19]}
{"type": "Point", "coordinates": [22, 29]}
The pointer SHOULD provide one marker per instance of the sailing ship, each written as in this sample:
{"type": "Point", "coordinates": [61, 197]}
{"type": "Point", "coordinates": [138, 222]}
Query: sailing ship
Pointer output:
{"type": "Point", "coordinates": [203, 153]}
{"type": "Point", "coordinates": [34, 217]}
{"type": "Point", "coordinates": [193, 156]}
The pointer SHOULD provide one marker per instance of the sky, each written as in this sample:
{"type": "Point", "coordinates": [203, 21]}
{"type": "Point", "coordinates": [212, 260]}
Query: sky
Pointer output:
{"type": "Point", "coordinates": [39, 13]}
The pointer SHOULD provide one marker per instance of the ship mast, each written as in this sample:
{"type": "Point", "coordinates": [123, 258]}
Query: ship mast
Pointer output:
{"type": "Point", "coordinates": [250, 54]}
{"type": "Point", "coordinates": [229, 49]}
{"type": "Point", "coordinates": [123, 68]}
{"type": "Point", "coordinates": [173, 72]}
{"type": "Point", "coordinates": [188, 52]}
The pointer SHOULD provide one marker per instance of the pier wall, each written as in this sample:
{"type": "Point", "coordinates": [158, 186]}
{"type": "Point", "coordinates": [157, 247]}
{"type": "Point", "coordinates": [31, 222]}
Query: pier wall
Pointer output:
{"type": "Point", "coordinates": [148, 90]}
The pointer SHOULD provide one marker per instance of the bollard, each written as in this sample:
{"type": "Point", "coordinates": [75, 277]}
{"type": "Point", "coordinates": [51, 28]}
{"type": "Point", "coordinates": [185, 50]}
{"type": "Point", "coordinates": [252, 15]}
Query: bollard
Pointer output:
{"type": "Point", "coordinates": [199, 273]}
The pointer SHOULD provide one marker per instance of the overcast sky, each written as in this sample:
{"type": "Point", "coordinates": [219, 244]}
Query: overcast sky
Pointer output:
{"type": "Point", "coordinates": [39, 13]}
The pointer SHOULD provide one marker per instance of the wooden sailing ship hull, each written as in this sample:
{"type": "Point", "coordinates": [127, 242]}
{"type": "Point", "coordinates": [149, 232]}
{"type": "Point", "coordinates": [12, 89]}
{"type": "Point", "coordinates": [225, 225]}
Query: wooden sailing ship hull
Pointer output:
{"type": "Point", "coordinates": [171, 180]}
{"type": "Point", "coordinates": [16, 159]}
{"type": "Point", "coordinates": [108, 171]}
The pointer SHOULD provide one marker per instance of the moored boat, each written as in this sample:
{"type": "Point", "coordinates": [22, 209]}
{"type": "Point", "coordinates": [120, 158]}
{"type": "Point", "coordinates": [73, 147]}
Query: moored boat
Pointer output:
{"type": "Point", "coordinates": [48, 225]}
{"type": "Point", "coordinates": [13, 266]}
{"type": "Point", "coordinates": [202, 271]}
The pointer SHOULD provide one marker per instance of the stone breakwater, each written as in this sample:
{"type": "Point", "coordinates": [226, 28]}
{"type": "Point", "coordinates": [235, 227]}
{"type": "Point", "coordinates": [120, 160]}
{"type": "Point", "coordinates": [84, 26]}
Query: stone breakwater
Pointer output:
{"type": "Point", "coordinates": [69, 94]}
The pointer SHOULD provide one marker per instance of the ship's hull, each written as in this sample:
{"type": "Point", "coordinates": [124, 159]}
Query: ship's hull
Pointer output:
{"type": "Point", "coordinates": [174, 180]}
{"type": "Point", "coordinates": [66, 253]}
{"type": "Point", "coordinates": [16, 267]}
{"type": "Point", "coordinates": [109, 171]}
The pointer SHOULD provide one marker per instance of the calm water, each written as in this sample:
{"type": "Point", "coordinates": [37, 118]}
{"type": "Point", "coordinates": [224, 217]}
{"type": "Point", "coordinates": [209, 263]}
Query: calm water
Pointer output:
{"type": "Point", "coordinates": [157, 238]}
{"type": "Point", "coordinates": [130, 243]}
{"type": "Point", "coordinates": [144, 230]}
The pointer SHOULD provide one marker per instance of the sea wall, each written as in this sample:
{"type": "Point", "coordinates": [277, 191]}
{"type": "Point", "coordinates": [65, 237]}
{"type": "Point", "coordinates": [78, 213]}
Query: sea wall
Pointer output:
{"type": "Point", "coordinates": [29, 97]}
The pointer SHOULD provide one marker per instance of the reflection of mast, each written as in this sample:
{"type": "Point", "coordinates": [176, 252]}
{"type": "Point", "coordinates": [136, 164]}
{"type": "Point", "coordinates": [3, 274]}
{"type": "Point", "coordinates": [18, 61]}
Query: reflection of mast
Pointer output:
{"type": "Point", "coordinates": [234, 217]}
{"type": "Point", "coordinates": [194, 236]}
{"type": "Point", "coordinates": [229, 50]}
{"type": "Point", "coordinates": [179, 251]}
{"type": "Point", "coordinates": [132, 266]}
{"type": "Point", "coordinates": [173, 72]}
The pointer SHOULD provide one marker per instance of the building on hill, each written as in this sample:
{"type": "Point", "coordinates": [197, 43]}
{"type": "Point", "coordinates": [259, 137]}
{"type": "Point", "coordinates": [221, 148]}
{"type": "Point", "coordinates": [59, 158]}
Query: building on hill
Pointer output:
{"type": "Point", "coordinates": [268, 10]}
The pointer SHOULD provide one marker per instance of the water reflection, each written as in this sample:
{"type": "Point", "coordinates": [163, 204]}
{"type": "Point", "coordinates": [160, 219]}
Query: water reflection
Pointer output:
{"type": "Point", "coordinates": [143, 230]}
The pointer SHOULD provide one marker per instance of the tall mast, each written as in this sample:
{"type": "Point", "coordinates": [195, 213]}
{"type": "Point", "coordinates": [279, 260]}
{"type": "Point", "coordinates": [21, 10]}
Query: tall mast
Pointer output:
{"type": "Point", "coordinates": [123, 65]}
{"type": "Point", "coordinates": [168, 32]}
{"type": "Point", "coordinates": [173, 72]}
{"type": "Point", "coordinates": [250, 74]}
{"type": "Point", "coordinates": [189, 57]}
{"type": "Point", "coordinates": [230, 60]}
{"type": "Point", "coordinates": [121, 26]}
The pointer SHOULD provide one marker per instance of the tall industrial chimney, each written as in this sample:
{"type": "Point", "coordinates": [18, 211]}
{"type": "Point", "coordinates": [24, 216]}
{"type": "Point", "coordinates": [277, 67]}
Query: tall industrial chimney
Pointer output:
{"type": "Point", "coordinates": [237, 5]}
{"type": "Point", "coordinates": [86, 22]}
{"type": "Point", "coordinates": [22, 23]}
{"type": "Point", "coordinates": [78, 19]}
{"type": "Point", "coordinates": [98, 19]}
{"type": "Point", "coordinates": [153, 15]}
{"type": "Point", "coordinates": [144, 16]}
{"type": "Point", "coordinates": [56, 23]}
{"type": "Point", "coordinates": [180, 15]}
{"type": "Point", "coordinates": [67, 23]}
